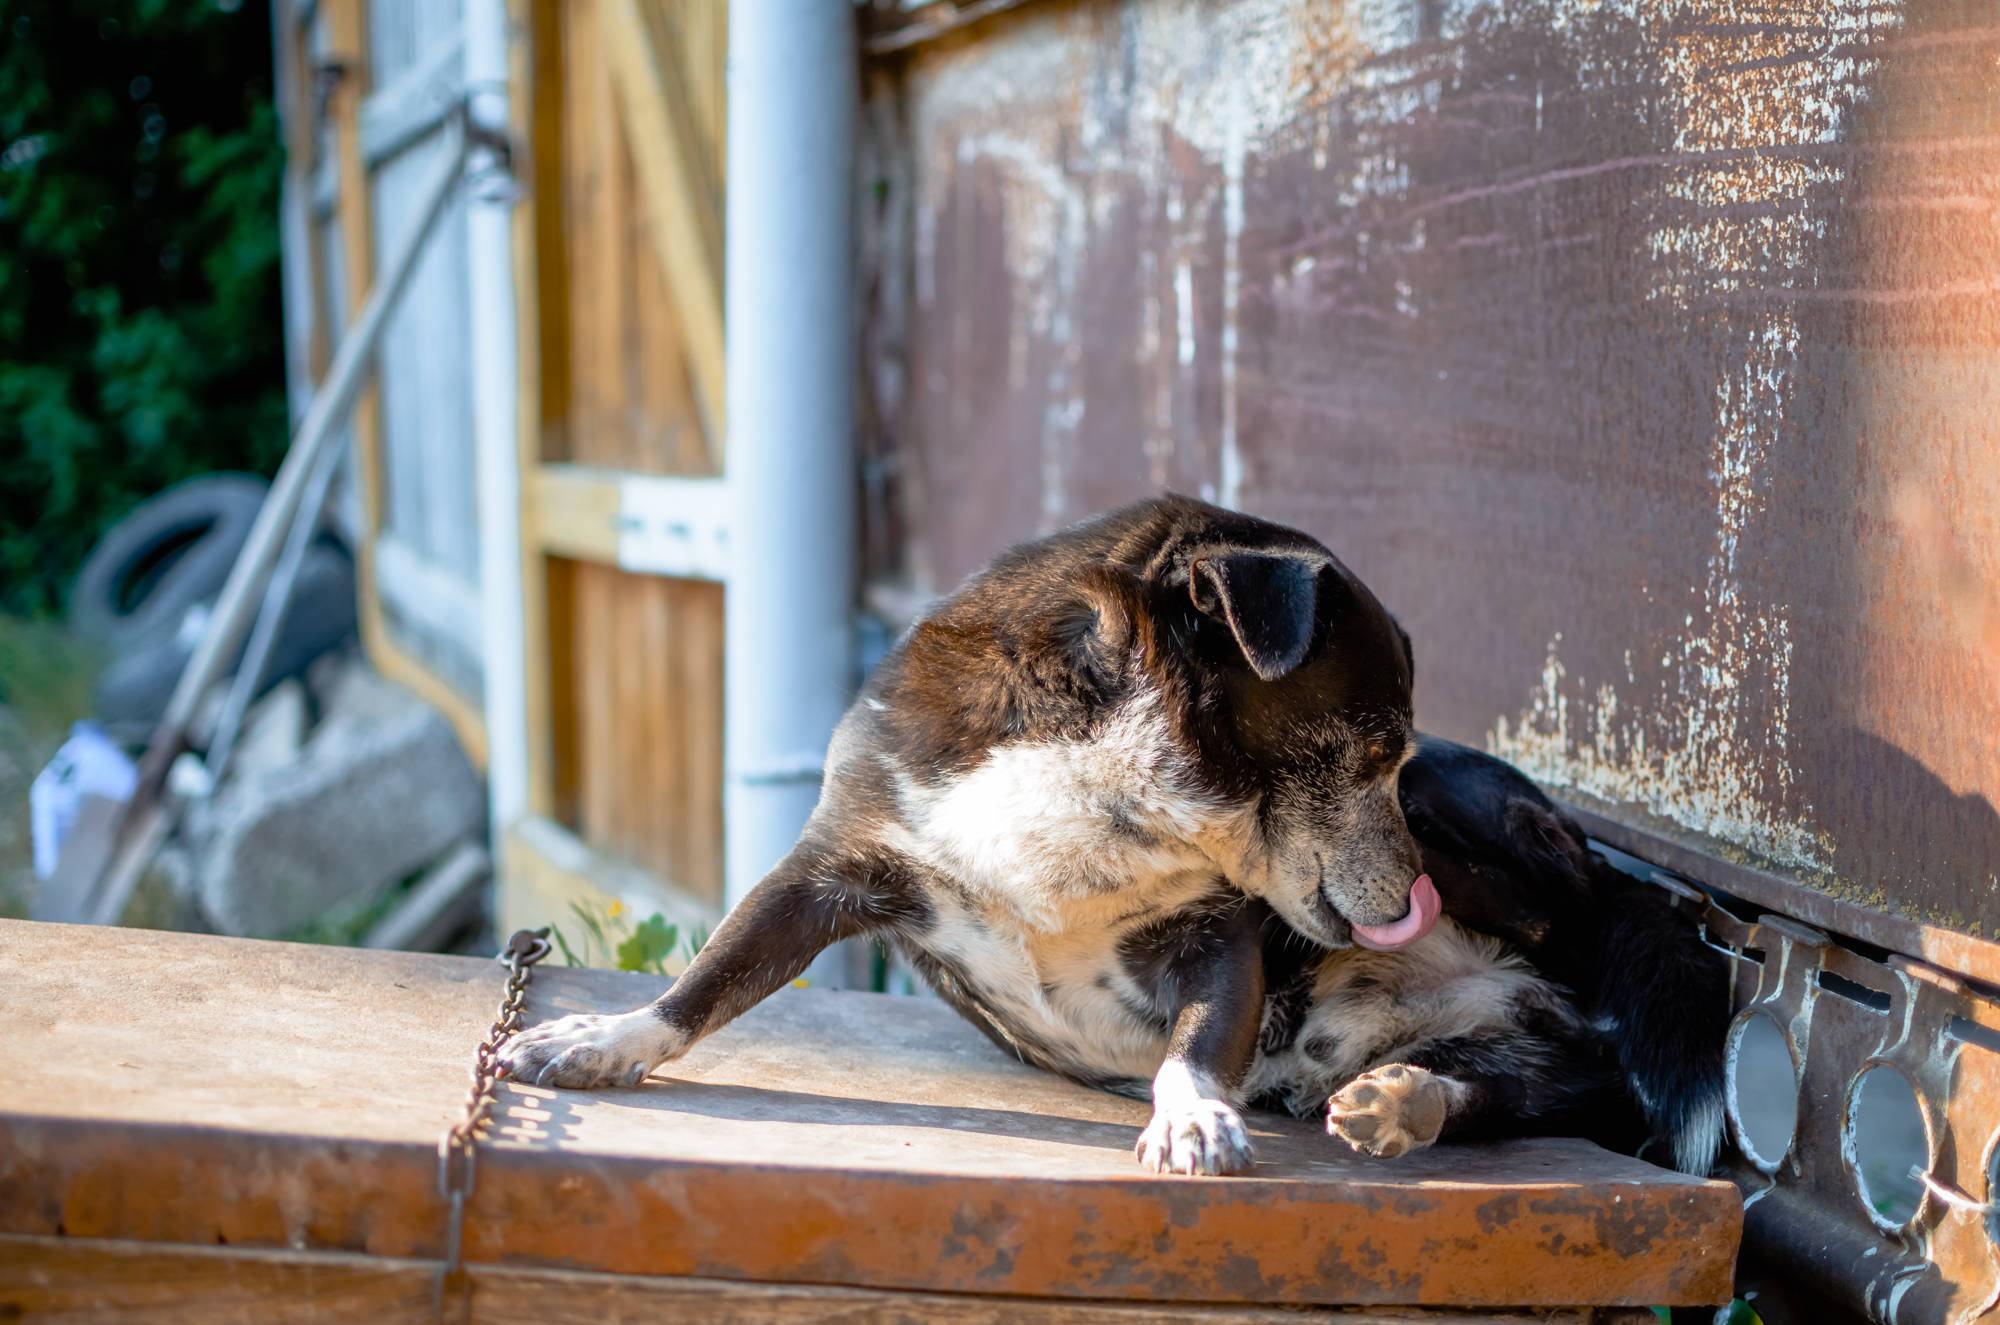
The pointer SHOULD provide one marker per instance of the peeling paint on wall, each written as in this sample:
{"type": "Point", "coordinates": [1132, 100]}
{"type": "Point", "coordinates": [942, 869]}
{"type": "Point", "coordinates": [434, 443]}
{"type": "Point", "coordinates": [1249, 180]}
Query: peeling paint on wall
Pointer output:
{"type": "Point", "coordinates": [1060, 136]}
{"type": "Point", "coordinates": [1704, 748]}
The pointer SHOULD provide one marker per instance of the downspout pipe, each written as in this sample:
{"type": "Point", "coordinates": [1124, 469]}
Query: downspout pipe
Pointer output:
{"type": "Point", "coordinates": [495, 430]}
{"type": "Point", "coordinates": [790, 380]}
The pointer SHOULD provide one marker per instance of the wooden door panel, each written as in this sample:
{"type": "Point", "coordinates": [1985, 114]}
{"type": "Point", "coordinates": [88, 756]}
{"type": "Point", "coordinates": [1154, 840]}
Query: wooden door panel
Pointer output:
{"type": "Point", "coordinates": [635, 660]}
{"type": "Point", "coordinates": [645, 664]}
{"type": "Point", "coordinates": [631, 404]}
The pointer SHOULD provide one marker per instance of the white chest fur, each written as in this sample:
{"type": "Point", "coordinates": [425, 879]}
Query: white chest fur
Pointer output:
{"type": "Point", "coordinates": [1037, 826]}
{"type": "Point", "coordinates": [1060, 849]}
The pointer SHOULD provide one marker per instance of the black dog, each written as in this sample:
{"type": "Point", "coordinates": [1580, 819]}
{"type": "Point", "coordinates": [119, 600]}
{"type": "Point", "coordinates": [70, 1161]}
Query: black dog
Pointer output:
{"type": "Point", "coordinates": [1128, 799]}
{"type": "Point", "coordinates": [1652, 994]}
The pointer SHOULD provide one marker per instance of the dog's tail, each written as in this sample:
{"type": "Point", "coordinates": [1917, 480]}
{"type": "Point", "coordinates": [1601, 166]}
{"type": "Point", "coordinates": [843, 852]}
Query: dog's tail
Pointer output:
{"type": "Point", "coordinates": [1663, 998]}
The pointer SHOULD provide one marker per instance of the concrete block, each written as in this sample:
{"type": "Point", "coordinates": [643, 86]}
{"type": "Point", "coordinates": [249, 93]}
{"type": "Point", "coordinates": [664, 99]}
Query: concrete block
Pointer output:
{"type": "Point", "coordinates": [273, 730]}
{"type": "Point", "coordinates": [379, 790]}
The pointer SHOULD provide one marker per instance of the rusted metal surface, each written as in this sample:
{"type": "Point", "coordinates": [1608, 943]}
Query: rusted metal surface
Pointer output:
{"type": "Point", "coordinates": [175, 1089]}
{"type": "Point", "coordinates": [1641, 357]}
{"type": "Point", "coordinates": [1946, 948]}
{"type": "Point", "coordinates": [1807, 1217]}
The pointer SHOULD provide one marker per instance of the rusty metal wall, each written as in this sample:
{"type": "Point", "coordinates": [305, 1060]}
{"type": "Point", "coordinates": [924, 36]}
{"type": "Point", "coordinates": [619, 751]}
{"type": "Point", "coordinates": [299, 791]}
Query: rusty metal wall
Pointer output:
{"type": "Point", "coordinates": [1641, 356]}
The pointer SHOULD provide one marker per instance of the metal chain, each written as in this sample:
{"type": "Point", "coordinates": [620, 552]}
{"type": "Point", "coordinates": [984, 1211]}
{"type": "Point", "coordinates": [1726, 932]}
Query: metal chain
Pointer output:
{"type": "Point", "coordinates": [458, 1148]}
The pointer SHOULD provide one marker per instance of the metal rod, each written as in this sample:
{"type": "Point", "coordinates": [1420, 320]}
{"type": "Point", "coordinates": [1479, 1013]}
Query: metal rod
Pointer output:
{"type": "Point", "coordinates": [495, 362]}
{"type": "Point", "coordinates": [137, 833]}
{"type": "Point", "coordinates": [789, 289]}
{"type": "Point", "coordinates": [324, 416]}
{"type": "Point", "coordinates": [271, 614]}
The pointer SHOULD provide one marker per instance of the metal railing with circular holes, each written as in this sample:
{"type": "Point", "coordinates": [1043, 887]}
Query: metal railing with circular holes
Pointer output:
{"type": "Point", "coordinates": [1817, 1211]}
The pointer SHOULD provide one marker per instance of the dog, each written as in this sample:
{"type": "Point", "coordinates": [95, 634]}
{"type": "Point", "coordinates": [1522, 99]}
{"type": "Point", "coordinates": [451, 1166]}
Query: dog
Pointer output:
{"type": "Point", "coordinates": [1138, 801]}
{"type": "Point", "coordinates": [1651, 993]}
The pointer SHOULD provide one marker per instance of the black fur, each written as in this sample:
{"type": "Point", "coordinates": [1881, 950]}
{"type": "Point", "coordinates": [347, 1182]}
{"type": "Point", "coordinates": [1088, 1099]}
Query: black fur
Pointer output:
{"type": "Point", "coordinates": [1509, 863]}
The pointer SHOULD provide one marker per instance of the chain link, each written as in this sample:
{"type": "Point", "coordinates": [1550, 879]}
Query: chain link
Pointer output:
{"type": "Point", "coordinates": [458, 1148]}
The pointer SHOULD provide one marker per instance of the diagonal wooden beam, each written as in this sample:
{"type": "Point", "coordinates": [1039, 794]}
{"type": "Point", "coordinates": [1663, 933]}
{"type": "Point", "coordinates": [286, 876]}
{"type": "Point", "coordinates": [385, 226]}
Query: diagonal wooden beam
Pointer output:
{"type": "Point", "coordinates": [680, 211]}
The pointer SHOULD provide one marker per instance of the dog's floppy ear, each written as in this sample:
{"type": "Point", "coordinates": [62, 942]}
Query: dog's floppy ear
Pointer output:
{"type": "Point", "coordinates": [1546, 845]}
{"type": "Point", "coordinates": [1266, 598]}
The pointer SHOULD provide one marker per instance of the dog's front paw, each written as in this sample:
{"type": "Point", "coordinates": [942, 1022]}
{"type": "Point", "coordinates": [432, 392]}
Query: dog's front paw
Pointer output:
{"type": "Point", "coordinates": [1202, 1136]}
{"type": "Point", "coordinates": [589, 1050]}
{"type": "Point", "coordinates": [1391, 1110]}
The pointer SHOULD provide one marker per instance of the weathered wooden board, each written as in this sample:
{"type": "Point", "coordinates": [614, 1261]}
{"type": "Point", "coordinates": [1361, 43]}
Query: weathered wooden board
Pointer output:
{"type": "Point", "coordinates": [82, 1280]}
{"type": "Point", "coordinates": [182, 1089]}
{"type": "Point", "coordinates": [630, 385]}
{"type": "Point", "coordinates": [646, 663]}
{"type": "Point", "coordinates": [629, 401]}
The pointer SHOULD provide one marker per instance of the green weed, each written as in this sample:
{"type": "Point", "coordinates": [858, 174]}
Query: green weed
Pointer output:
{"type": "Point", "coordinates": [608, 938]}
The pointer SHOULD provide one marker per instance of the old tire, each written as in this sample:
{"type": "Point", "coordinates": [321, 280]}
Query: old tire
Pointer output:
{"type": "Point", "coordinates": [173, 551]}
{"type": "Point", "coordinates": [133, 691]}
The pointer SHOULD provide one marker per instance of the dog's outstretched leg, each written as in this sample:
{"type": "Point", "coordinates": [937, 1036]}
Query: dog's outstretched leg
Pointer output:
{"type": "Point", "coordinates": [1511, 1084]}
{"type": "Point", "coordinates": [1218, 975]}
{"type": "Point", "coordinates": [815, 897]}
{"type": "Point", "coordinates": [1394, 1109]}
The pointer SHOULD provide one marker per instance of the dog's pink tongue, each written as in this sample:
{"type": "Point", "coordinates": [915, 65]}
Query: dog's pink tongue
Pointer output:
{"type": "Point", "coordinates": [1425, 907]}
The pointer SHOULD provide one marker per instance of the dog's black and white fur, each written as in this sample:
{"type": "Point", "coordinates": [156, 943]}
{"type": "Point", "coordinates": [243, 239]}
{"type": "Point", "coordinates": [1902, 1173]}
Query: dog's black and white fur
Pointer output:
{"type": "Point", "coordinates": [1125, 799]}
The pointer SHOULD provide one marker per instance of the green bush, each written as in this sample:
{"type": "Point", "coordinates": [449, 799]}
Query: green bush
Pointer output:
{"type": "Point", "coordinates": [140, 327]}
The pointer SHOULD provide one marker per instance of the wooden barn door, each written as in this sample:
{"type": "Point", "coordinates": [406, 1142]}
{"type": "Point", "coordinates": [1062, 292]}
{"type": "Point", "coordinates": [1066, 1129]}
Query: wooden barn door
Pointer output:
{"type": "Point", "coordinates": [629, 155]}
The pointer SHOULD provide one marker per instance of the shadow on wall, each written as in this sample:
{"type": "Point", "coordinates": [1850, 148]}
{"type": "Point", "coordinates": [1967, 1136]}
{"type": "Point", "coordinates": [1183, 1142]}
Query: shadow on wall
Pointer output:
{"type": "Point", "coordinates": [1943, 847]}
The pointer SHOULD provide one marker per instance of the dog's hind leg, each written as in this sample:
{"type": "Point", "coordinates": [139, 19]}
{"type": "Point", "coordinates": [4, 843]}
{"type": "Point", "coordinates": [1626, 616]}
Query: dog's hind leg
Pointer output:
{"type": "Point", "coordinates": [1510, 1084]}
{"type": "Point", "coordinates": [1394, 1109]}
{"type": "Point", "coordinates": [815, 897]}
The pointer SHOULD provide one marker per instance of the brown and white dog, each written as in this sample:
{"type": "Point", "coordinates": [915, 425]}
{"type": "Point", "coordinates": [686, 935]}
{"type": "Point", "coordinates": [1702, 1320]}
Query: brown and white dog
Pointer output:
{"type": "Point", "coordinates": [1129, 800]}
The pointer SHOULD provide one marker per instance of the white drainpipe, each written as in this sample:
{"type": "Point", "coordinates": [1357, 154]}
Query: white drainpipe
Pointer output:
{"type": "Point", "coordinates": [496, 439]}
{"type": "Point", "coordinates": [789, 310]}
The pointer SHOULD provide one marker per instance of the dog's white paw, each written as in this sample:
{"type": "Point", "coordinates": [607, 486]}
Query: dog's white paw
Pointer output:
{"type": "Point", "coordinates": [1391, 1110]}
{"type": "Point", "coordinates": [588, 1049]}
{"type": "Point", "coordinates": [1200, 1136]}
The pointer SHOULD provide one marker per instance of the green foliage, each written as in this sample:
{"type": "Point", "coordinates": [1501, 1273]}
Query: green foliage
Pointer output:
{"type": "Point", "coordinates": [608, 938]}
{"type": "Point", "coordinates": [140, 325]}
{"type": "Point", "coordinates": [652, 941]}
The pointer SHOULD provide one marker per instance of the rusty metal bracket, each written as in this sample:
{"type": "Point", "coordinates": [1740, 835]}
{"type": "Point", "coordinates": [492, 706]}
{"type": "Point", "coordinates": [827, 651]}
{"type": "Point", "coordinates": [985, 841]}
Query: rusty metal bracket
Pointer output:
{"type": "Point", "coordinates": [1842, 1014]}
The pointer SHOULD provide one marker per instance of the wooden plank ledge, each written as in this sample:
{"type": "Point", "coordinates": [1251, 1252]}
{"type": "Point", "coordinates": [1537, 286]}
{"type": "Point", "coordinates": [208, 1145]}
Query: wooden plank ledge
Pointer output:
{"type": "Point", "coordinates": [180, 1089]}
{"type": "Point", "coordinates": [79, 1280]}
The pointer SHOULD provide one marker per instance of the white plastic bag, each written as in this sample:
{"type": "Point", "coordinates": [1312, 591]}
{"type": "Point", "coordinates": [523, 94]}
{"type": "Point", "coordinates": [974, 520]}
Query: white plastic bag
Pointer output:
{"type": "Point", "coordinates": [89, 764]}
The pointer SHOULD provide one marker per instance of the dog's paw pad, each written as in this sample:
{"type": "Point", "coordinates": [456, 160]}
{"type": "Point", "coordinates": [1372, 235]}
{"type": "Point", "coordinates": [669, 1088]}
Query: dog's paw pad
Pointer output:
{"type": "Point", "coordinates": [1390, 1111]}
{"type": "Point", "coordinates": [1204, 1137]}
{"type": "Point", "coordinates": [584, 1050]}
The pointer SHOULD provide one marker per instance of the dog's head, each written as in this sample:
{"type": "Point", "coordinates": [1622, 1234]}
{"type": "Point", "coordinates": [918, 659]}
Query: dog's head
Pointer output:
{"type": "Point", "coordinates": [1286, 685]}
{"type": "Point", "coordinates": [1302, 703]}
